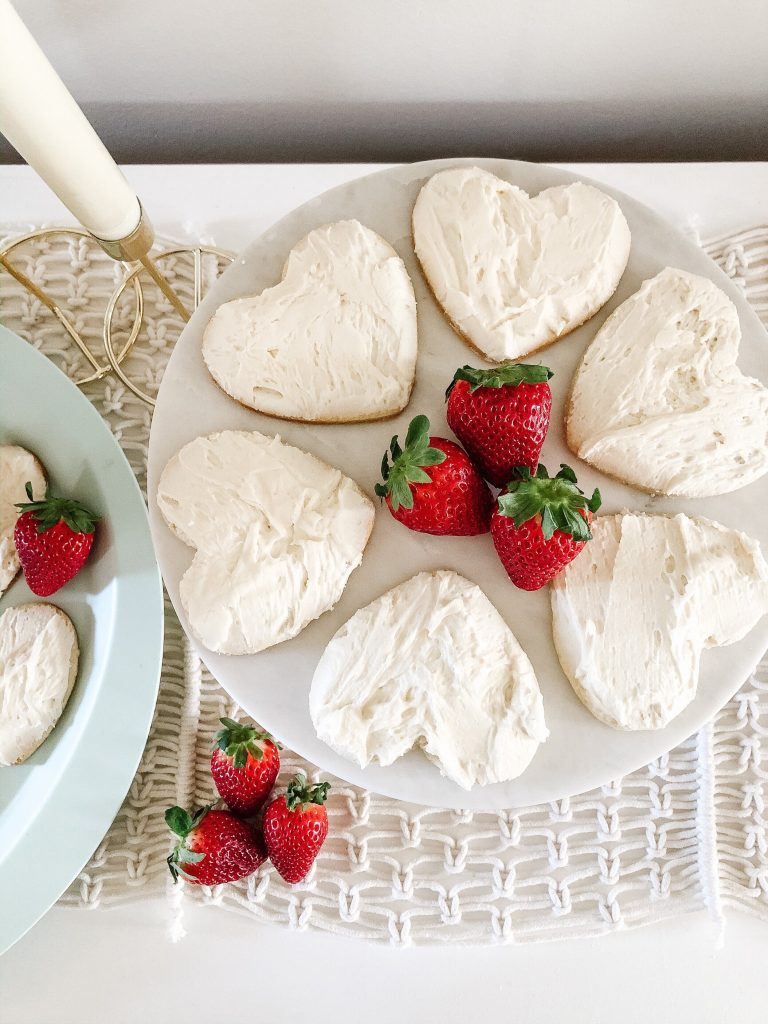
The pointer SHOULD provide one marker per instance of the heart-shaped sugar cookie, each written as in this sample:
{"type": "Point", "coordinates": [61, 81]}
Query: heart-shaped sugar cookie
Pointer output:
{"type": "Point", "coordinates": [333, 342]}
{"type": "Point", "coordinates": [38, 666]}
{"type": "Point", "coordinates": [658, 400]}
{"type": "Point", "coordinates": [633, 613]}
{"type": "Point", "coordinates": [515, 272]}
{"type": "Point", "coordinates": [431, 664]}
{"type": "Point", "coordinates": [277, 533]}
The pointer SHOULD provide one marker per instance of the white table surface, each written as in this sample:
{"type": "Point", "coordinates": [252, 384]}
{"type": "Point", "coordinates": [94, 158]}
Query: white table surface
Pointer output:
{"type": "Point", "coordinates": [118, 966]}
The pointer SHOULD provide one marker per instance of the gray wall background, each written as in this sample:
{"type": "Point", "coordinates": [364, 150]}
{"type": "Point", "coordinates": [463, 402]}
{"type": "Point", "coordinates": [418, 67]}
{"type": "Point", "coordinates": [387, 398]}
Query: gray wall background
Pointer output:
{"type": "Point", "coordinates": [323, 80]}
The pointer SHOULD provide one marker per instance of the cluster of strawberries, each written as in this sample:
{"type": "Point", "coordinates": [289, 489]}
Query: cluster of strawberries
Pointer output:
{"type": "Point", "coordinates": [216, 846]}
{"type": "Point", "coordinates": [538, 523]}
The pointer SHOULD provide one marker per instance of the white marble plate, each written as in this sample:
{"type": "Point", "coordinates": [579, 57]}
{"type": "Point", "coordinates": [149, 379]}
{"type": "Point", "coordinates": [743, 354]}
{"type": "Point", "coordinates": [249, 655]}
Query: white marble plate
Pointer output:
{"type": "Point", "coordinates": [273, 686]}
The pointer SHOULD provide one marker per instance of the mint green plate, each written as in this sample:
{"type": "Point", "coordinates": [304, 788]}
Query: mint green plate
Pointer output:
{"type": "Point", "coordinates": [56, 807]}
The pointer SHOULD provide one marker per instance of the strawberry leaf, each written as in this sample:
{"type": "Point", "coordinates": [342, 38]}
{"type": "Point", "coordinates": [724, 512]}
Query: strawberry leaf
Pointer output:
{"type": "Point", "coordinates": [418, 432]}
{"type": "Point", "coordinates": [558, 500]}
{"type": "Point", "coordinates": [566, 473]}
{"type": "Point", "coordinates": [407, 465]}
{"type": "Point", "coordinates": [401, 494]}
{"type": "Point", "coordinates": [575, 524]}
{"type": "Point", "coordinates": [548, 524]}
{"type": "Point", "coordinates": [171, 860]}
{"type": "Point", "coordinates": [431, 457]}
{"type": "Point", "coordinates": [299, 794]}
{"type": "Point", "coordinates": [238, 741]}
{"type": "Point", "coordinates": [186, 856]}
{"type": "Point", "coordinates": [522, 505]}
{"type": "Point", "coordinates": [506, 375]}
{"type": "Point", "coordinates": [50, 510]}
{"type": "Point", "coordinates": [179, 821]}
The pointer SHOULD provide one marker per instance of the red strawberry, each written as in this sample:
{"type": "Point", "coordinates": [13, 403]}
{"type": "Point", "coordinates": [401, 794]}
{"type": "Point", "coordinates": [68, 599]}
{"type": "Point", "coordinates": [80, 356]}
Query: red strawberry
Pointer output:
{"type": "Point", "coordinates": [540, 525]}
{"type": "Point", "coordinates": [53, 538]}
{"type": "Point", "coordinates": [501, 416]}
{"type": "Point", "coordinates": [213, 846]}
{"type": "Point", "coordinates": [451, 499]}
{"type": "Point", "coordinates": [295, 827]}
{"type": "Point", "coordinates": [244, 766]}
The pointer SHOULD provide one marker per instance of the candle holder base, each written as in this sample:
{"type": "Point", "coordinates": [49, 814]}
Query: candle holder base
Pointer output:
{"type": "Point", "coordinates": [132, 281]}
{"type": "Point", "coordinates": [142, 269]}
{"type": "Point", "coordinates": [47, 236]}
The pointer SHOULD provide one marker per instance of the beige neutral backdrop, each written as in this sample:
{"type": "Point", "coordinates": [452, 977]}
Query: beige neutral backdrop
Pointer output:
{"type": "Point", "coordinates": [251, 80]}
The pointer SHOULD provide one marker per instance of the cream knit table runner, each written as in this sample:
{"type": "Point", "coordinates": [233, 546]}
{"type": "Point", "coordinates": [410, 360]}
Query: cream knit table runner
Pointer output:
{"type": "Point", "coordinates": [684, 833]}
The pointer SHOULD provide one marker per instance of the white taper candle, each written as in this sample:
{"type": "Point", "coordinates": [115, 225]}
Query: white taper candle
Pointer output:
{"type": "Point", "coordinates": [41, 120]}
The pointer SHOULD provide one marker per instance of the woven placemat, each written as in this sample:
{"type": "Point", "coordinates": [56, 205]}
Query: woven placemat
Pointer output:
{"type": "Point", "coordinates": [686, 832]}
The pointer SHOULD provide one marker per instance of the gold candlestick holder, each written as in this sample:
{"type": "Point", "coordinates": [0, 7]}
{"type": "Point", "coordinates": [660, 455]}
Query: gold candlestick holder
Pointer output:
{"type": "Point", "coordinates": [141, 263]}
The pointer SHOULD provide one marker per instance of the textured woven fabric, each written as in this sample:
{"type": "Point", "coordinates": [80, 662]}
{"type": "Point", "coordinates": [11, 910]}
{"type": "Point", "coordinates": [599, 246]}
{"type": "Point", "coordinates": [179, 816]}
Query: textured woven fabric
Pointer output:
{"type": "Point", "coordinates": [686, 832]}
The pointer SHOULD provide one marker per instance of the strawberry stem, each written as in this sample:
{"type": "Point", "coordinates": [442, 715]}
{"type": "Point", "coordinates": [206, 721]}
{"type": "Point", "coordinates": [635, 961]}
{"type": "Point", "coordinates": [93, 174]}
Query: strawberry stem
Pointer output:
{"type": "Point", "coordinates": [508, 374]}
{"type": "Point", "coordinates": [50, 510]}
{"type": "Point", "coordinates": [238, 741]}
{"type": "Point", "coordinates": [299, 794]}
{"type": "Point", "coordinates": [407, 464]}
{"type": "Point", "coordinates": [557, 500]}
